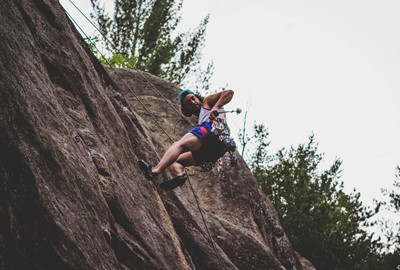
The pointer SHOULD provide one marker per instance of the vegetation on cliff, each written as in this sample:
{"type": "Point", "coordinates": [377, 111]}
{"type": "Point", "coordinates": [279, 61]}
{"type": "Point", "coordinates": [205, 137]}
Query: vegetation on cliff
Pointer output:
{"type": "Point", "coordinates": [145, 33]}
{"type": "Point", "coordinates": [323, 222]}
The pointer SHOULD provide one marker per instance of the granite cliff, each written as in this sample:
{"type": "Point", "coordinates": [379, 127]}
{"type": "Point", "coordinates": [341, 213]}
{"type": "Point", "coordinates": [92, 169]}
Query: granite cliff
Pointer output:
{"type": "Point", "coordinates": [71, 193]}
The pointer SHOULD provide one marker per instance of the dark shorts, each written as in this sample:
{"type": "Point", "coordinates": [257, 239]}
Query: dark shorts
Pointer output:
{"type": "Point", "coordinates": [212, 148]}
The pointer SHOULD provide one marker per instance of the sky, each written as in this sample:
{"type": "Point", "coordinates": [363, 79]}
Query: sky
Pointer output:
{"type": "Point", "coordinates": [328, 68]}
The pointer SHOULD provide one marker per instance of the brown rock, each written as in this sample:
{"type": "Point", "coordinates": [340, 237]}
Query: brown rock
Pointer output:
{"type": "Point", "coordinates": [71, 193]}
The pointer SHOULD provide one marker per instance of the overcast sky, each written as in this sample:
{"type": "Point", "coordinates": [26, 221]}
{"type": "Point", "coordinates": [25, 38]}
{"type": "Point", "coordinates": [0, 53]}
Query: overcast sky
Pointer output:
{"type": "Point", "coordinates": [325, 67]}
{"type": "Point", "coordinates": [300, 67]}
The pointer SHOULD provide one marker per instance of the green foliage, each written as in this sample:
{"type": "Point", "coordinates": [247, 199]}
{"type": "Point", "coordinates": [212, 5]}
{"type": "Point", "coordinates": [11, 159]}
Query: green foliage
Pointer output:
{"type": "Point", "coordinates": [143, 29]}
{"type": "Point", "coordinates": [323, 223]}
{"type": "Point", "coordinates": [115, 60]}
{"type": "Point", "coordinates": [395, 193]}
{"type": "Point", "coordinates": [391, 227]}
{"type": "Point", "coordinates": [389, 261]}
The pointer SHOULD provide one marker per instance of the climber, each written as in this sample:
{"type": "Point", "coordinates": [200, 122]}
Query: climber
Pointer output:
{"type": "Point", "coordinates": [200, 145]}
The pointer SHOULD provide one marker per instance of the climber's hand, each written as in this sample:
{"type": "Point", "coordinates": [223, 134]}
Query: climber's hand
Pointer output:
{"type": "Point", "coordinates": [214, 114]}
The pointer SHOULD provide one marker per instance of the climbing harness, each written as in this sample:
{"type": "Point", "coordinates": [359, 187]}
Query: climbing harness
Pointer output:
{"type": "Point", "coordinates": [94, 45]}
{"type": "Point", "coordinates": [221, 129]}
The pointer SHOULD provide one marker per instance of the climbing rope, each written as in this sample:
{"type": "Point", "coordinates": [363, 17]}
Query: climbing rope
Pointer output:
{"type": "Point", "coordinates": [137, 98]}
{"type": "Point", "coordinates": [128, 60]}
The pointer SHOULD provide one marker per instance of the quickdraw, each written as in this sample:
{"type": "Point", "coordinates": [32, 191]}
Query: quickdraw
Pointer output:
{"type": "Point", "coordinates": [221, 129]}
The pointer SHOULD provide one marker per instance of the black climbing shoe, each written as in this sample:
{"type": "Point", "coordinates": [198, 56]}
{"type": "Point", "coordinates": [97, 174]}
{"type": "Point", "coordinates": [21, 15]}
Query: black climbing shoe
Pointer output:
{"type": "Point", "coordinates": [146, 169]}
{"type": "Point", "coordinates": [174, 182]}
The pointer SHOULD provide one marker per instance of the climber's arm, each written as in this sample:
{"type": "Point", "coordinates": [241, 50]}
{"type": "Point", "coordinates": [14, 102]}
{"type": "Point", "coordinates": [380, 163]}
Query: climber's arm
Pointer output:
{"type": "Point", "coordinates": [215, 101]}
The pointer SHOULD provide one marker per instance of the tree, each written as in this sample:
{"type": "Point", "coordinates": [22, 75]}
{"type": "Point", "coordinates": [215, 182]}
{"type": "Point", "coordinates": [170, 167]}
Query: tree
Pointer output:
{"type": "Point", "coordinates": [394, 194]}
{"type": "Point", "coordinates": [323, 223]}
{"type": "Point", "coordinates": [388, 257]}
{"type": "Point", "coordinates": [391, 226]}
{"type": "Point", "coordinates": [142, 30]}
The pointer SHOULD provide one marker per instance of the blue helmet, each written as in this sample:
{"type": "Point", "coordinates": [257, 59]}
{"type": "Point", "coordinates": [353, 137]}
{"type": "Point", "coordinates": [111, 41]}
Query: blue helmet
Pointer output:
{"type": "Point", "coordinates": [184, 93]}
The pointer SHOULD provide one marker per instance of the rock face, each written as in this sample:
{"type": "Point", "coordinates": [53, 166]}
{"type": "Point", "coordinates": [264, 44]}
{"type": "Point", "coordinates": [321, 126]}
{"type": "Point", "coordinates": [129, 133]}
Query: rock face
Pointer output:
{"type": "Point", "coordinates": [71, 193]}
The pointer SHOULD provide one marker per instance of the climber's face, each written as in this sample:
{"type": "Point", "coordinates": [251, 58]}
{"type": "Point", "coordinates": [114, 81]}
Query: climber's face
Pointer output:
{"type": "Point", "coordinates": [192, 103]}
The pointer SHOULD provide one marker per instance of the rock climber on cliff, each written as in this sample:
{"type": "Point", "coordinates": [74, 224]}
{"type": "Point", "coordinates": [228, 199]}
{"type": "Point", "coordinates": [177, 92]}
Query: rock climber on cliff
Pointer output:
{"type": "Point", "coordinates": [202, 144]}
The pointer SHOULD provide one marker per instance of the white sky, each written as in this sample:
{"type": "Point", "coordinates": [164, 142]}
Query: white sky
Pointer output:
{"type": "Point", "coordinates": [327, 67]}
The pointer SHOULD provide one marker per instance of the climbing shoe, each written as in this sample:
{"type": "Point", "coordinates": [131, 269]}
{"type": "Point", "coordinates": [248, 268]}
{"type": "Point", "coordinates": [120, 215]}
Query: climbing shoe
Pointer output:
{"type": "Point", "coordinates": [174, 182]}
{"type": "Point", "coordinates": [147, 170]}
